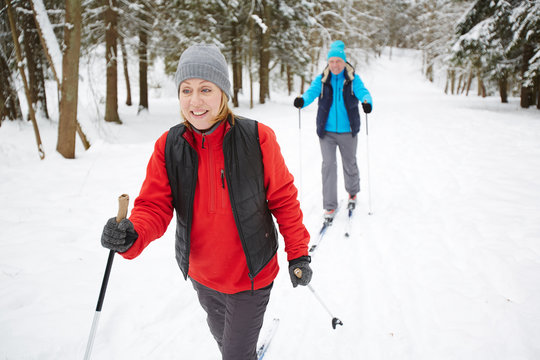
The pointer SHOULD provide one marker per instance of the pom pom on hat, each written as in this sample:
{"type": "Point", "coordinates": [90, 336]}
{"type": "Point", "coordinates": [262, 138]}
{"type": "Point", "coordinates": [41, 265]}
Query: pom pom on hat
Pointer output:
{"type": "Point", "coordinates": [337, 49]}
{"type": "Point", "coordinates": [205, 62]}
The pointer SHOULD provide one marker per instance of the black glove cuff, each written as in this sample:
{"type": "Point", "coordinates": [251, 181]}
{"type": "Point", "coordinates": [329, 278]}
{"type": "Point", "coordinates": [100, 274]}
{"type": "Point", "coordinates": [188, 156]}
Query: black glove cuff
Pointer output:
{"type": "Point", "coordinates": [131, 236]}
{"type": "Point", "coordinates": [300, 259]}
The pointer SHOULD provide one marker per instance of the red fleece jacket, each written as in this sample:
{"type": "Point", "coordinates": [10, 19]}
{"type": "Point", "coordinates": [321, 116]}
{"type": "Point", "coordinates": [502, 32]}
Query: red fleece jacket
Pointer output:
{"type": "Point", "coordinates": [216, 258]}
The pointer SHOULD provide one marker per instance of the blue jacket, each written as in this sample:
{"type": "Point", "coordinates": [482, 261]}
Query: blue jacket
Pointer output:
{"type": "Point", "coordinates": [338, 100]}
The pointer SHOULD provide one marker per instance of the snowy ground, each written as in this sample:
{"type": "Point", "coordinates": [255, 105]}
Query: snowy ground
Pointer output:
{"type": "Point", "coordinates": [447, 267]}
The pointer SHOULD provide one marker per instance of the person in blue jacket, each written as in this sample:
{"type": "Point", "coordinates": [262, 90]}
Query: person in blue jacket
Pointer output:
{"type": "Point", "coordinates": [339, 90]}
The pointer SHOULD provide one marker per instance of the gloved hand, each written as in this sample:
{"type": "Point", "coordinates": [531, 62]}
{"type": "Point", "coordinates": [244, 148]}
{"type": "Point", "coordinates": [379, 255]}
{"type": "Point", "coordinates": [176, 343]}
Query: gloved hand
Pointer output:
{"type": "Point", "coordinates": [300, 271]}
{"type": "Point", "coordinates": [367, 107]}
{"type": "Point", "coordinates": [299, 102]}
{"type": "Point", "coordinates": [118, 236]}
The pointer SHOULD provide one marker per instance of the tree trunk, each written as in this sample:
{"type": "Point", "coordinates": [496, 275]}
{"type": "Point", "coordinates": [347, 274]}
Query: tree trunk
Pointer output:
{"type": "Point", "coordinates": [452, 81]}
{"type": "Point", "coordinates": [461, 84]}
{"type": "Point", "coordinates": [111, 35]}
{"type": "Point", "coordinates": [503, 88]}
{"type": "Point", "coordinates": [250, 62]}
{"type": "Point", "coordinates": [537, 87]}
{"type": "Point", "coordinates": [15, 37]}
{"type": "Point", "coordinates": [55, 68]}
{"type": "Point", "coordinates": [481, 87]}
{"type": "Point", "coordinates": [10, 107]}
{"type": "Point", "coordinates": [34, 61]}
{"type": "Point", "coordinates": [289, 80]}
{"type": "Point", "coordinates": [236, 61]}
{"type": "Point", "coordinates": [235, 54]}
{"type": "Point", "coordinates": [67, 125]}
{"type": "Point", "coordinates": [429, 72]}
{"type": "Point", "coordinates": [143, 63]}
{"type": "Point", "coordinates": [143, 71]}
{"type": "Point", "coordinates": [526, 91]}
{"type": "Point", "coordinates": [264, 51]}
{"type": "Point", "coordinates": [469, 83]}
{"type": "Point", "coordinates": [534, 91]}
{"type": "Point", "coordinates": [126, 72]}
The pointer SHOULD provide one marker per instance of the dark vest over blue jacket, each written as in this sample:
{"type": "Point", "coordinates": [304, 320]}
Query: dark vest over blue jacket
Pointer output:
{"type": "Point", "coordinates": [244, 173]}
{"type": "Point", "coordinates": [326, 98]}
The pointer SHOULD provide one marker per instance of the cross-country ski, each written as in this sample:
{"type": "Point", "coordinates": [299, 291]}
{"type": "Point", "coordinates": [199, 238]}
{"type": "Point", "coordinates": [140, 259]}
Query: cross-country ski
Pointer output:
{"type": "Point", "coordinates": [263, 348]}
{"type": "Point", "coordinates": [327, 224]}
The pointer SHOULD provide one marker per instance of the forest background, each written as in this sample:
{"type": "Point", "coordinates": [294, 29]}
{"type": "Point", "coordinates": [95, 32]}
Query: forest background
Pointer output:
{"type": "Point", "coordinates": [492, 47]}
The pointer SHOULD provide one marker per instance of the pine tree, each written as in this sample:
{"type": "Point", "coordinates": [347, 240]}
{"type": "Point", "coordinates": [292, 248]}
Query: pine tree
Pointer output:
{"type": "Point", "coordinates": [526, 20]}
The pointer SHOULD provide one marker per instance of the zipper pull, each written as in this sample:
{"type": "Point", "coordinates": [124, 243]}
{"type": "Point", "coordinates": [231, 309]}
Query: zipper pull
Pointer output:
{"type": "Point", "coordinates": [222, 179]}
{"type": "Point", "coordinates": [203, 139]}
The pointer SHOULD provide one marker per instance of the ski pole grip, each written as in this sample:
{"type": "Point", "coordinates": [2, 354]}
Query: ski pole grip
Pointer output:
{"type": "Point", "coordinates": [123, 202]}
{"type": "Point", "coordinates": [298, 273]}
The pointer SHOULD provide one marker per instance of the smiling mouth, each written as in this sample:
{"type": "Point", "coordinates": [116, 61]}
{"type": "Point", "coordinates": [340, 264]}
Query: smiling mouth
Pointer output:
{"type": "Point", "coordinates": [199, 113]}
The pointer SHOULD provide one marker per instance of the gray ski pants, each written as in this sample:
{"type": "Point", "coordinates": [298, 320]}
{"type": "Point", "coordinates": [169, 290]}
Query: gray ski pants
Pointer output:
{"type": "Point", "coordinates": [347, 147]}
{"type": "Point", "coordinates": [235, 320]}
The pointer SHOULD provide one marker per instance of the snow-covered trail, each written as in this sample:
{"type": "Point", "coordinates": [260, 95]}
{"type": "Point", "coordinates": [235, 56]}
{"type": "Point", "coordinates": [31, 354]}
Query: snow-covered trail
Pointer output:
{"type": "Point", "coordinates": [447, 267]}
{"type": "Point", "coordinates": [449, 261]}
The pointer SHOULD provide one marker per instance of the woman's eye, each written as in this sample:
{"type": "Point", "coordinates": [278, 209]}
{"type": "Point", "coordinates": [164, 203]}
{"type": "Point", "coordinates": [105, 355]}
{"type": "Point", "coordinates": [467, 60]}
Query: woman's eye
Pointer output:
{"type": "Point", "coordinates": [186, 91]}
{"type": "Point", "coordinates": [206, 90]}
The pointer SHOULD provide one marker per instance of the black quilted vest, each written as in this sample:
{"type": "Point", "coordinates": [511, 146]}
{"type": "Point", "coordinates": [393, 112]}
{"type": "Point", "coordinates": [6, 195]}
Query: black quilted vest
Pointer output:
{"type": "Point", "coordinates": [244, 173]}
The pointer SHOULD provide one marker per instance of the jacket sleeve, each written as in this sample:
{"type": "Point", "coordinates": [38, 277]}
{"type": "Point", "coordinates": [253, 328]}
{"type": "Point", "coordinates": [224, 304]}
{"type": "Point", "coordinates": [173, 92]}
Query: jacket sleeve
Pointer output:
{"type": "Point", "coordinates": [360, 91]}
{"type": "Point", "coordinates": [281, 195]}
{"type": "Point", "coordinates": [314, 91]}
{"type": "Point", "coordinates": [152, 210]}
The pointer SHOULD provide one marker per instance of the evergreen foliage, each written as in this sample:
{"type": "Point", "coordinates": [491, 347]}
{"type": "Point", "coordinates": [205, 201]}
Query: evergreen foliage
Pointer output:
{"type": "Point", "coordinates": [496, 41]}
{"type": "Point", "coordinates": [499, 40]}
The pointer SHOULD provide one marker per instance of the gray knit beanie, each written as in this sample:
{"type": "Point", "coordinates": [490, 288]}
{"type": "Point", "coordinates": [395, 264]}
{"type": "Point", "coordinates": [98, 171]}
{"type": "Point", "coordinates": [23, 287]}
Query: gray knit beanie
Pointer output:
{"type": "Point", "coordinates": [206, 62]}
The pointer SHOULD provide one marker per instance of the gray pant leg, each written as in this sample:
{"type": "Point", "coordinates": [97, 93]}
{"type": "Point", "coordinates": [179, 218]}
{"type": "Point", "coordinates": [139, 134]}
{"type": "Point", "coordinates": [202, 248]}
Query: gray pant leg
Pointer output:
{"type": "Point", "coordinates": [347, 147]}
{"type": "Point", "coordinates": [243, 323]}
{"type": "Point", "coordinates": [235, 320]}
{"type": "Point", "coordinates": [214, 303]}
{"type": "Point", "coordinates": [329, 170]}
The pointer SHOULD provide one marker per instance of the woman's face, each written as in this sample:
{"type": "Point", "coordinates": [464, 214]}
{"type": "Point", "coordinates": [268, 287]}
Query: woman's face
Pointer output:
{"type": "Point", "coordinates": [200, 102]}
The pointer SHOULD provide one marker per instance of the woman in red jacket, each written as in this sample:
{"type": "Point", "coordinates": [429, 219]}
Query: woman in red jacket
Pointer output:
{"type": "Point", "coordinates": [225, 178]}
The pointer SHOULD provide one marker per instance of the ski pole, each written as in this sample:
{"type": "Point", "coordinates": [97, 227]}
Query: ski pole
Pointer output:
{"type": "Point", "coordinates": [335, 320]}
{"type": "Point", "coordinates": [123, 202]}
{"type": "Point", "coordinates": [300, 154]}
{"type": "Point", "coordinates": [369, 179]}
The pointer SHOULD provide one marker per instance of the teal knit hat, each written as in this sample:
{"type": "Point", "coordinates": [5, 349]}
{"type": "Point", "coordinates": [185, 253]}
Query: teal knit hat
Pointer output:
{"type": "Point", "coordinates": [337, 49]}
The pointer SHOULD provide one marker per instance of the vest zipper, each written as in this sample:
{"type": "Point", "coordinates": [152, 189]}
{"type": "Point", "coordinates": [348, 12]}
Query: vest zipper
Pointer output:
{"type": "Point", "coordinates": [222, 179]}
{"type": "Point", "coordinates": [336, 100]}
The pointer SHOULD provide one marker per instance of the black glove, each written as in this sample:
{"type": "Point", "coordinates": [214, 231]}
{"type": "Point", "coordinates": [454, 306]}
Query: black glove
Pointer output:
{"type": "Point", "coordinates": [300, 271]}
{"type": "Point", "coordinates": [367, 107]}
{"type": "Point", "coordinates": [299, 102]}
{"type": "Point", "coordinates": [118, 236]}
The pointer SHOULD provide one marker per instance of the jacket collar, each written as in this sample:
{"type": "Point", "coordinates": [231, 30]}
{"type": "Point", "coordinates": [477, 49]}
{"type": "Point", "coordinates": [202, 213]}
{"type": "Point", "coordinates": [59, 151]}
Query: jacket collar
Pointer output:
{"type": "Point", "coordinates": [348, 73]}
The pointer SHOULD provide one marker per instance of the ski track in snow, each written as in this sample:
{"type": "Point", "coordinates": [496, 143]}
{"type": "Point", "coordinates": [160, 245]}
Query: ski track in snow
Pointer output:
{"type": "Point", "coordinates": [447, 267]}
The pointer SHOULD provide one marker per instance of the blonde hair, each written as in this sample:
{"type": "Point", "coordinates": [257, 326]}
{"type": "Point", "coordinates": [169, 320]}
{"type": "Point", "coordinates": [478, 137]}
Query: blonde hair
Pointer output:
{"type": "Point", "coordinates": [224, 112]}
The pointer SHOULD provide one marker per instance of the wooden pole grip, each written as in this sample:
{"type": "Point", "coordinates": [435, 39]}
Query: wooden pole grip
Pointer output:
{"type": "Point", "coordinates": [123, 202]}
{"type": "Point", "coordinates": [298, 273]}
